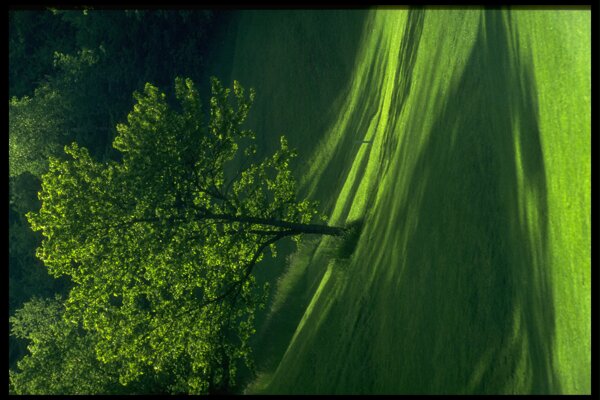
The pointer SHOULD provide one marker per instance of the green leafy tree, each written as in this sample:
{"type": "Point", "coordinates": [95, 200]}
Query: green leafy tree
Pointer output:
{"type": "Point", "coordinates": [33, 38]}
{"type": "Point", "coordinates": [61, 359]}
{"type": "Point", "coordinates": [27, 275]}
{"type": "Point", "coordinates": [161, 245]}
{"type": "Point", "coordinates": [39, 126]}
{"type": "Point", "coordinates": [34, 131]}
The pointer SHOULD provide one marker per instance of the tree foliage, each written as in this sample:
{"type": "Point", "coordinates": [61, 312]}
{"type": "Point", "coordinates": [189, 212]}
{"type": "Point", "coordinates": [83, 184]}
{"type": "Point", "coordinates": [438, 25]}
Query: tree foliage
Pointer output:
{"type": "Point", "coordinates": [139, 45]}
{"type": "Point", "coordinates": [35, 131]}
{"type": "Point", "coordinates": [39, 126]}
{"type": "Point", "coordinates": [61, 359]}
{"type": "Point", "coordinates": [33, 37]}
{"type": "Point", "coordinates": [70, 73]}
{"type": "Point", "coordinates": [26, 273]}
{"type": "Point", "coordinates": [161, 244]}
{"type": "Point", "coordinates": [86, 60]}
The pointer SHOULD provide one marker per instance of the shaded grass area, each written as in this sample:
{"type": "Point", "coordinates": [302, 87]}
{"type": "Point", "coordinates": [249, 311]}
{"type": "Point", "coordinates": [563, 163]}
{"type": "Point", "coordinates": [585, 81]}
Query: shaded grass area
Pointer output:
{"type": "Point", "coordinates": [299, 61]}
{"type": "Point", "coordinates": [333, 168]}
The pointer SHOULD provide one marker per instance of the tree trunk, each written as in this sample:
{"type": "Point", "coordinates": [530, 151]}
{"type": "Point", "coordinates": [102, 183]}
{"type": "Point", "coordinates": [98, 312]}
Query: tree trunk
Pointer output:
{"type": "Point", "coordinates": [294, 227]}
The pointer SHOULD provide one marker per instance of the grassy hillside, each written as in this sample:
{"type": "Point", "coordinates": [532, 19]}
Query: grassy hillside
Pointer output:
{"type": "Point", "coordinates": [472, 270]}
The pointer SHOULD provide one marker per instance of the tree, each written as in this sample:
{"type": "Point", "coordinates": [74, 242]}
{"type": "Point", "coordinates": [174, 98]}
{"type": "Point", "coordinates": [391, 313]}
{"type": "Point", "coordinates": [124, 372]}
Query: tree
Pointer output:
{"type": "Point", "coordinates": [39, 126]}
{"type": "Point", "coordinates": [34, 131]}
{"type": "Point", "coordinates": [161, 245]}
{"type": "Point", "coordinates": [33, 38]}
{"type": "Point", "coordinates": [27, 275]}
{"type": "Point", "coordinates": [61, 359]}
{"type": "Point", "coordinates": [87, 59]}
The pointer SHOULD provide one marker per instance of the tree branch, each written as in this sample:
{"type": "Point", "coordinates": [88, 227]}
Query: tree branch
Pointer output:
{"type": "Point", "coordinates": [237, 284]}
{"type": "Point", "coordinates": [248, 268]}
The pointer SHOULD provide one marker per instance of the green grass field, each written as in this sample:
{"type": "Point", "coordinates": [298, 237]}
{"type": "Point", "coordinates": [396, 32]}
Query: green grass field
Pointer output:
{"type": "Point", "coordinates": [472, 270]}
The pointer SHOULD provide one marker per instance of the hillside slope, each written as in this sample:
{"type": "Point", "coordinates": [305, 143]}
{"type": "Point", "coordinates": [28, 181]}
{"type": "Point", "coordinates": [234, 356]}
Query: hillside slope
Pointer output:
{"type": "Point", "coordinates": [472, 271]}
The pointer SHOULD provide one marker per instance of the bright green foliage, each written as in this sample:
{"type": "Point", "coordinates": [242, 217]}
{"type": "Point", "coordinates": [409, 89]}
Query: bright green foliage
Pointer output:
{"type": "Point", "coordinates": [40, 125]}
{"type": "Point", "coordinates": [84, 65]}
{"type": "Point", "coordinates": [35, 130]}
{"type": "Point", "coordinates": [26, 275]}
{"type": "Point", "coordinates": [61, 359]}
{"type": "Point", "coordinates": [161, 245]}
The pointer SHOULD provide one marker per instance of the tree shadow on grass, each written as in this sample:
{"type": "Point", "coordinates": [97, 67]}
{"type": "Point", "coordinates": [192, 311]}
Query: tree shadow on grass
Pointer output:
{"type": "Point", "coordinates": [470, 302]}
{"type": "Point", "coordinates": [364, 112]}
{"type": "Point", "coordinates": [407, 55]}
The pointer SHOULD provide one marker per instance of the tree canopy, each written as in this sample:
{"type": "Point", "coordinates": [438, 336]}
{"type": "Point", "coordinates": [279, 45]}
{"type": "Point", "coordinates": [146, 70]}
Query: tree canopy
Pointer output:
{"type": "Point", "coordinates": [70, 76]}
{"type": "Point", "coordinates": [161, 244]}
{"type": "Point", "coordinates": [61, 359]}
{"type": "Point", "coordinates": [35, 131]}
